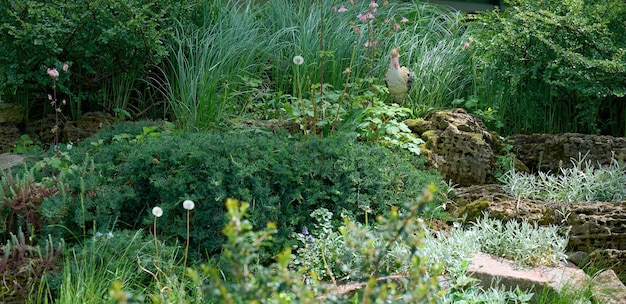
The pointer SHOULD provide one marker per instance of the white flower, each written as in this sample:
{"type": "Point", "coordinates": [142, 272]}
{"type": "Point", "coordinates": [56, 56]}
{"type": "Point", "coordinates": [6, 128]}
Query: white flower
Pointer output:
{"type": "Point", "coordinates": [109, 234]}
{"type": "Point", "coordinates": [157, 211]}
{"type": "Point", "coordinates": [188, 205]}
{"type": "Point", "coordinates": [298, 60]}
{"type": "Point", "coordinates": [70, 145]}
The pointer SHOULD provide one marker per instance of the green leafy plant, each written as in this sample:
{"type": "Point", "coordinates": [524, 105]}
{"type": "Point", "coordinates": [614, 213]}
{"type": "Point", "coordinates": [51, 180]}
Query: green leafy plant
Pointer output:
{"type": "Point", "coordinates": [25, 145]}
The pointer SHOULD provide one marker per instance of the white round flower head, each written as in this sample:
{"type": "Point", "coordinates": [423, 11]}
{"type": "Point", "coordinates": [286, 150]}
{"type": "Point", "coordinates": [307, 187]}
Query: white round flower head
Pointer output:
{"type": "Point", "coordinates": [157, 211]}
{"type": "Point", "coordinates": [188, 205]}
{"type": "Point", "coordinates": [70, 146]}
{"type": "Point", "coordinates": [298, 60]}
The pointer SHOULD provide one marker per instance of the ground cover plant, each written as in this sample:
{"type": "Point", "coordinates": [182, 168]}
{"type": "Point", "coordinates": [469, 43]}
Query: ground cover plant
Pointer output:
{"type": "Point", "coordinates": [300, 171]}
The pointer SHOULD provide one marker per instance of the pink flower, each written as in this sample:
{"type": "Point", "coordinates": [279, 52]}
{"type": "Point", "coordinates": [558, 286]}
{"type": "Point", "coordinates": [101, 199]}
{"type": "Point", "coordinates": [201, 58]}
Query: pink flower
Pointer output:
{"type": "Point", "coordinates": [342, 9]}
{"type": "Point", "coordinates": [370, 43]}
{"type": "Point", "coordinates": [396, 26]}
{"type": "Point", "coordinates": [373, 4]}
{"type": "Point", "coordinates": [404, 20]}
{"type": "Point", "coordinates": [347, 70]}
{"type": "Point", "coordinates": [66, 67]}
{"type": "Point", "coordinates": [53, 72]}
{"type": "Point", "coordinates": [370, 15]}
{"type": "Point", "coordinates": [467, 45]}
{"type": "Point", "coordinates": [362, 17]}
{"type": "Point", "coordinates": [357, 30]}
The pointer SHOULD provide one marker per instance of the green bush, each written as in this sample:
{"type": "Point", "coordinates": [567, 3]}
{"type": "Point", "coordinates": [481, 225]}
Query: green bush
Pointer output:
{"type": "Point", "coordinates": [284, 180]}
{"type": "Point", "coordinates": [554, 66]}
{"type": "Point", "coordinates": [98, 39]}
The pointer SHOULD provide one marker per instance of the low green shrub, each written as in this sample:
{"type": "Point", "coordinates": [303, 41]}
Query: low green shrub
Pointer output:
{"type": "Point", "coordinates": [284, 179]}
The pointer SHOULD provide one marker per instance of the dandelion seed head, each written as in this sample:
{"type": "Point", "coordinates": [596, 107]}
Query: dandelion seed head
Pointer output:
{"type": "Point", "coordinates": [298, 60]}
{"type": "Point", "coordinates": [157, 211]}
{"type": "Point", "coordinates": [188, 205]}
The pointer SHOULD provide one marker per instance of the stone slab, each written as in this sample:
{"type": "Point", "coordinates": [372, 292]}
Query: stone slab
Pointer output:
{"type": "Point", "coordinates": [490, 270]}
{"type": "Point", "coordinates": [608, 289]}
{"type": "Point", "coordinates": [8, 160]}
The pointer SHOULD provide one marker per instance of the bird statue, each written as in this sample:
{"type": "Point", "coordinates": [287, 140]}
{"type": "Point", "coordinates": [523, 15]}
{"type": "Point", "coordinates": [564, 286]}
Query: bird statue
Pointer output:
{"type": "Point", "coordinates": [399, 79]}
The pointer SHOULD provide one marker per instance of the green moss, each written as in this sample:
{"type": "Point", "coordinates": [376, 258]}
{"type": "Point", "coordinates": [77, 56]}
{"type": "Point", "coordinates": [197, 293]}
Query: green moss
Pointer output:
{"type": "Point", "coordinates": [474, 209]}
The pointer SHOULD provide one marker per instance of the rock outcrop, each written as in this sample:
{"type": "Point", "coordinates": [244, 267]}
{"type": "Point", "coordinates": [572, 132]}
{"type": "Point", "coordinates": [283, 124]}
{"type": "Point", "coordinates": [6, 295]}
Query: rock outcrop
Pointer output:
{"type": "Point", "coordinates": [458, 146]}
{"type": "Point", "coordinates": [88, 124]}
{"type": "Point", "coordinates": [549, 152]}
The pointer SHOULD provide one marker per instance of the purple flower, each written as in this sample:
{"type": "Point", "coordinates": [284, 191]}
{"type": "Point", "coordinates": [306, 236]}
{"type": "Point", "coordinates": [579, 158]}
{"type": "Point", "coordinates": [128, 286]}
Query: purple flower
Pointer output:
{"type": "Point", "coordinates": [310, 239]}
{"type": "Point", "coordinates": [305, 230]}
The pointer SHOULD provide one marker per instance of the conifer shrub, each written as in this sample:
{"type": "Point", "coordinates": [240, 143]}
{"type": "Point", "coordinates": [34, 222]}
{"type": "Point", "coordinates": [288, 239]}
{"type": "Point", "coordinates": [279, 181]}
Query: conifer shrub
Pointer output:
{"type": "Point", "coordinates": [131, 169]}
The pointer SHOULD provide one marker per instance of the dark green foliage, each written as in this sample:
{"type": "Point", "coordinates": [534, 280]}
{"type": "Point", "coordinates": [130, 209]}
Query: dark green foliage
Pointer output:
{"type": "Point", "coordinates": [283, 179]}
{"type": "Point", "coordinates": [555, 66]}
{"type": "Point", "coordinates": [98, 39]}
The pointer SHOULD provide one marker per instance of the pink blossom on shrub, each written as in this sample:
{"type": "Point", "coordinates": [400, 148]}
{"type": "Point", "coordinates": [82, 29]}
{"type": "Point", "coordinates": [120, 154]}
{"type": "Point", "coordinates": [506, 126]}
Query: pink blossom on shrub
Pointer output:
{"type": "Point", "coordinates": [53, 72]}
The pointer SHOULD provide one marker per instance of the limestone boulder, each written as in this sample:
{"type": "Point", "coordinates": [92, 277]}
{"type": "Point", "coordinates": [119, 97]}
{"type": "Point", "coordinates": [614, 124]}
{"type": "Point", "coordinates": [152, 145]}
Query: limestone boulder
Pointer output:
{"type": "Point", "coordinates": [608, 289]}
{"type": "Point", "coordinates": [11, 113]}
{"type": "Point", "coordinates": [8, 135]}
{"type": "Point", "coordinates": [87, 125]}
{"type": "Point", "coordinates": [458, 146]}
{"type": "Point", "coordinates": [549, 152]}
